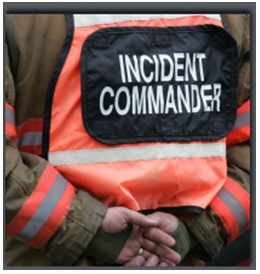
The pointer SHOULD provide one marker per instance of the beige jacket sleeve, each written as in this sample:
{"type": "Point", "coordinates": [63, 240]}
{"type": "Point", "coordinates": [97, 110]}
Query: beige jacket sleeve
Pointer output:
{"type": "Point", "coordinates": [208, 230]}
{"type": "Point", "coordinates": [69, 239]}
{"type": "Point", "coordinates": [61, 239]}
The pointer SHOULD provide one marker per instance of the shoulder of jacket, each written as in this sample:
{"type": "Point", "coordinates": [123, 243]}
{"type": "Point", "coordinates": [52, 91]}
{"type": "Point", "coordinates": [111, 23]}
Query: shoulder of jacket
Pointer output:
{"type": "Point", "coordinates": [20, 23]}
{"type": "Point", "coordinates": [239, 27]}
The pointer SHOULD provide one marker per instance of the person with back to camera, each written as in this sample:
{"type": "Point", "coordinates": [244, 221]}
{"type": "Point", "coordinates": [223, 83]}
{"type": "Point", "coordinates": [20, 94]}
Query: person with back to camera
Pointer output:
{"type": "Point", "coordinates": [124, 137]}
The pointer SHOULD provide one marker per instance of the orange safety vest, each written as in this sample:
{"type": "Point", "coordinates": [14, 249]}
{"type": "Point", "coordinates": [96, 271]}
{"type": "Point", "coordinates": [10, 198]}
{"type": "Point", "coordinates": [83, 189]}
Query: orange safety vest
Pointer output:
{"type": "Point", "coordinates": [115, 147]}
{"type": "Point", "coordinates": [154, 139]}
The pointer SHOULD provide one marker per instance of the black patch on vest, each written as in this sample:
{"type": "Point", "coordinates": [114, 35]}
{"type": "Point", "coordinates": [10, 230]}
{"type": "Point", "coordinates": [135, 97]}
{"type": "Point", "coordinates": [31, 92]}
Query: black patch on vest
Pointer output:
{"type": "Point", "coordinates": [143, 84]}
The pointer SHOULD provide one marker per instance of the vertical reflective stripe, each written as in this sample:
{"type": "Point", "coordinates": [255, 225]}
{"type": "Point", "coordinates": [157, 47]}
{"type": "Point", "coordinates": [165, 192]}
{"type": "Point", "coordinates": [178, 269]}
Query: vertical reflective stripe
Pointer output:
{"type": "Point", "coordinates": [9, 115]}
{"type": "Point", "coordinates": [44, 211]}
{"type": "Point", "coordinates": [10, 129]}
{"type": "Point", "coordinates": [232, 205]}
{"type": "Point", "coordinates": [82, 20]}
{"type": "Point", "coordinates": [236, 209]}
{"type": "Point", "coordinates": [241, 195]}
{"type": "Point", "coordinates": [227, 218]}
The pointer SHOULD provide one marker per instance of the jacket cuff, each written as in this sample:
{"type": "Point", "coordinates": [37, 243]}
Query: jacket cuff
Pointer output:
{"type": "Point", "coordinates": [107, 247]}
{"type": "Point", "coordinates": [207, 235]}
{"type": "Point", "coordinates": [184, 241]}
{"type": "Point", "coordinates": [77, 230]}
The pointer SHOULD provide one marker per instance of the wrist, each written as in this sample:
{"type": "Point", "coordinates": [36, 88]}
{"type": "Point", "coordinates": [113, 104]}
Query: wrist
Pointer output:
{"type": "Point", "coordinates": [107, 246]}
{"type": "Point", "coordinates": [184, 240]}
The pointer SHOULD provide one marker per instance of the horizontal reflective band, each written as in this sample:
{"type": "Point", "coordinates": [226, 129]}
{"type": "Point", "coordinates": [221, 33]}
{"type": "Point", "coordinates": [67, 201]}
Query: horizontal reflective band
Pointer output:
{"type": "Point", "coordinates": [82, 20]}
{"type": "Point", "coordinates": [110, 155]}
{"type": "Point", "coordinates": [30, 139]}
{"type": "Point", "coordinates": [232, 205]}
{"type": "Point", "coordinates": [9, 115]}
{"type": "Point", "coordinates": [44, 211]}
{"type": "Point", "coordinates": [29, 136]}
{"type": "Point", "coordinates": [242, 120]}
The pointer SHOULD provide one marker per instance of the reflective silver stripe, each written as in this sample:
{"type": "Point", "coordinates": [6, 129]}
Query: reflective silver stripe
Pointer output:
{"type": "Point", "coordinates": [82, 20]}
{"type": "Point", "coordinates": [242, 120]}
{"type": "Point", "coordinates": [30, 139]}
{"type": "Point", "coordinates": [110, 155]}
{"type": "Point", "coordinates": [236, 208]}
{"type": "Point", "coordinates": [44, 211]}
{"type": "Point", "coordinates": [9, 116]}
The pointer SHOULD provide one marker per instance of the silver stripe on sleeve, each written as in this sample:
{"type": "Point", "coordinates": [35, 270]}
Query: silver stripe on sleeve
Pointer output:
{"type": "Point", "coordinates": [9, 116]}
{"type": "Point", "coordinates": [236, 208]}
{"type": "Point", "coordinates": [242, 120]}
{"type": "Point", "coordinates": [44, 211]}
{"type": "Point", "coordinates": [30, 139]}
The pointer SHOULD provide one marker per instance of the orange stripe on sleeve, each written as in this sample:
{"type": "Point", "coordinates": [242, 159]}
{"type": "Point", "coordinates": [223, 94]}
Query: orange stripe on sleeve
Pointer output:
{"type": "Point", "coordinates": [241, 195]}
{"type": "Point", "coordinates": [33, 202]}
{"type": "Point", "coordinates": [232, 205]}
{"type": "Point", "coordinates": [55, 220]}
{"type": "Point", "coordinates": [226, 217]}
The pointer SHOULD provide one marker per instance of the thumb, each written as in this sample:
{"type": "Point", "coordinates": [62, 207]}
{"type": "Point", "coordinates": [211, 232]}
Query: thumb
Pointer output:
{"type": "Point", "coordinates": [136, 218]}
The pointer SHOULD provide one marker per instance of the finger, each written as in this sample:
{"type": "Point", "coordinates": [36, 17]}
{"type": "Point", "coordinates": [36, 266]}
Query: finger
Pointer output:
{"type": "Point", "coordinates": [169, 263]}
{"type": "Point", "coordinates": [163, 263]}
{"type": "Point", "coordinates": [136, 218]}
{"type": "Point", "coordinates": [162, 251]}
{"type": "Point", "coordinates": [146, 254]}
{"type": "Point", "coordinates": [153, 260]}
{"type": "Point", "coordinates": [136, 261]}
{"type": "Point", "coordinates": [157, 235]}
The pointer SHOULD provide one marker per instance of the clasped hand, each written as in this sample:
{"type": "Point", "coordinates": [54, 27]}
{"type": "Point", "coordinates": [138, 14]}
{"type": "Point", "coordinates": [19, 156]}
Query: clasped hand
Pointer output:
{"type": "Point", "coordinates": [151, 233]}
